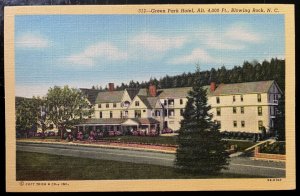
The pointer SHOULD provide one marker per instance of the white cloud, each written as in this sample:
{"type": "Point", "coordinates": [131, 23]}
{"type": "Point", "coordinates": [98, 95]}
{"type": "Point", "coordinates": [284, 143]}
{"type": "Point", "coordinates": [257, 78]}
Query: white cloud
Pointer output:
{"type": "Point", "coordinates": [236, 37]}
{"type": "Point", "coordinates": [157, 43]}
{"type": "Point", "coordinates": [242, 32]}
{"type": "Point", "coordinates": [41, 89]}
{"type": "Point", "coordinates": [30, 90]}
{"type": "Point", "coordinates": [32, 40]}
{"type": "Point", "coordinates": [219, 41]}
{"type": "Point", "coordinates": [197, 55]}
{"type": "Point", "coordinates": [103, 50]}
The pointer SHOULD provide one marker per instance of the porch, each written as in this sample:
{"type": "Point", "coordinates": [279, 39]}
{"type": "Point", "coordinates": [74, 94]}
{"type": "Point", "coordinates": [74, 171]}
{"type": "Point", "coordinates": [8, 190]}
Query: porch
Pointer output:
{"type": "Point", "coordinates": [113, 126]}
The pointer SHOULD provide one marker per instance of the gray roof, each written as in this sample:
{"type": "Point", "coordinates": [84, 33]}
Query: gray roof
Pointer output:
{"type": "Point", "coordinates": [174, 92]}
{"type": "Point", "coordinates": [110, 97]}
{"type": "Point", "coordinates": [91, 94]}
{"type": "Point", "coordinates": [243, 88]}
{"type": "Point", "coordinates": [106, 121]}
{"type": "Point", "coordinates": [143, 92]}
{"type": "Point", "coordinates": [95, 96]}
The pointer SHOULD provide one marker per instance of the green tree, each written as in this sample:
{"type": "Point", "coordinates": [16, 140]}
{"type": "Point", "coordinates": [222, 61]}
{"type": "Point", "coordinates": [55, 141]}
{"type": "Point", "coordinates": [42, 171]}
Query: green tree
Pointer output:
{"type": "Point", "coordinates": [200, 149]}
{"type": "Point", "coordinates": [28, 114]}
{"type": "Point", "coordinates": [66, 107]}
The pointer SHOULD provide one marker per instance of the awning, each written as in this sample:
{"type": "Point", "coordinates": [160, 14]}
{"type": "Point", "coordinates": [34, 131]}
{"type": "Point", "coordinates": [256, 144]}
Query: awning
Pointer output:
{"type": "Point", "coordinates": [130, 122]}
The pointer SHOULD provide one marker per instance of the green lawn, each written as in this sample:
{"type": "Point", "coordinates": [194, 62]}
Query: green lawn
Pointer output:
{"type": "Point", "coordinates": [171, 140]}
{"type": "Point", "coordinates": [38, 166]}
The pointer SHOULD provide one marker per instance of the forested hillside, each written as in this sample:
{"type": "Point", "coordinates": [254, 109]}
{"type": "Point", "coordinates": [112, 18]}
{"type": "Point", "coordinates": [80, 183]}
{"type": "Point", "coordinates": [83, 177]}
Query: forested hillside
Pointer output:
{"type": "Point", "coordinates": [248, 72]}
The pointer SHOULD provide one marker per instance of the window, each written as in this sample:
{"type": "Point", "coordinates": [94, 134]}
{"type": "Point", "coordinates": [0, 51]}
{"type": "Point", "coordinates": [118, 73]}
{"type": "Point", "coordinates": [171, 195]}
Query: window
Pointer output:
{"type": "Point", "coordinates": [259, 111]}
{"type": "Point", "coordinates": [259, 97]}
{"type": "Point", "coordinates": [234, 123]}
{"type": "Point", "coordinates": [260, 124]}
{"type": "Point", "coordinates": [218, 111]}
{"type": "Point", "coordinates": [157, 113]}
{"type": "Point", "coordinates": [121, 114]}
{"type": "Point", "coordinates": [218, 99]}
{"type": "Point", "coordinates": [99, 105]}
{"type": "Point", "coordinates": [242, 123]}
{"type": "Point", "coordinates": [126, 104]}
{"type": "Point", "coordinates": [107, 105]}
{"type": "Point", "coordinates": [137, 114]}
{"type": "Point", "coordinates": [137, 103]}
{"type": "Point", "coordinates": [166, 112]}
{"type": "Point", "coordinates": [114, 105]}
{"type": "Point", "coordinates": [233, 98]}
{"type": "Point", "coordinates": [242, 110]}
{"type": "Point", "coordinates": [171, 113]}
{"type": "Point", "coordinates": [126, 113]}
{"type": "Point", "coordinates": [272, 124]}
{"type": "Point", "coordinates": [100, 115]}
{"type": "Point", "coordinates": [234, 110]}
{"type": "Point", "coordinates": [165, 102]}
{"type": "Point", "coordinates": [181, 112]}
{"type": "Point", "coordinates": [181, 101]}
{"type": "Point", "coordinates": [242, 98]}
{"type": "Point", "coordinates": [144, 111]}
{"type": "Point", "coordinates": [110, 114]}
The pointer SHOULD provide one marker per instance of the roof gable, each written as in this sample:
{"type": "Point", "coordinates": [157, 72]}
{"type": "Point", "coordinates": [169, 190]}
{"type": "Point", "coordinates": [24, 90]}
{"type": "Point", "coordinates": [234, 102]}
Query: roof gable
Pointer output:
{"type": "Point", "coordinates": [140, 99]}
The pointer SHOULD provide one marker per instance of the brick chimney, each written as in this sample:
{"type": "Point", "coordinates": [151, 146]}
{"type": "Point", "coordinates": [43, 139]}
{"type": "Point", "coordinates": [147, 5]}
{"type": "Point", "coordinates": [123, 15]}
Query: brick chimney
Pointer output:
{"type": "Point", "coordinates": [212, 86]}
{"type": "Point", "coordinates": [111, 86]}
{"type": "Point", "coordinates": [152, 90]}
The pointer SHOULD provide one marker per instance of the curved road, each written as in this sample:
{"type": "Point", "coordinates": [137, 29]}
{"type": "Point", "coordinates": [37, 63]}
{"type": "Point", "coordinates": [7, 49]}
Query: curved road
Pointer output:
{"type": "Point", "coordinates": [238, 165]}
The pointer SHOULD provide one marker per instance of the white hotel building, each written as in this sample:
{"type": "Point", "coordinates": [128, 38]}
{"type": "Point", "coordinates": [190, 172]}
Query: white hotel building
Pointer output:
{"type": "Point", "coordinates": [243, 107]}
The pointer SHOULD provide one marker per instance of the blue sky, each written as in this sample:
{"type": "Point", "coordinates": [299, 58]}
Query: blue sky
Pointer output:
{"type": "Point", "coordinates": [85, 50]}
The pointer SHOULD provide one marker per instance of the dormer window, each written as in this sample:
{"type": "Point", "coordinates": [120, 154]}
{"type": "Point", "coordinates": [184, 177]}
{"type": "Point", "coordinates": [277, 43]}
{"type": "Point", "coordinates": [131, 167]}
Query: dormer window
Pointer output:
{"type": "Point", "coordinates": [126, 104]}
{"type": "Point", "coordinates": [137, 103]}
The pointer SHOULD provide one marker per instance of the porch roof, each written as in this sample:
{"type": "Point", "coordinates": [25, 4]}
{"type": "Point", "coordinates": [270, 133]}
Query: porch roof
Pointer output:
{"type": "Point", "coordinates": [118, 121]}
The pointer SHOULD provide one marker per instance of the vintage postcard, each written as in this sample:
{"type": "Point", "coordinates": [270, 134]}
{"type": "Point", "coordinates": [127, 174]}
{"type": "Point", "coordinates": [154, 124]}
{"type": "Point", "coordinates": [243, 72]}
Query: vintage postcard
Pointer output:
{"type": "Point", "coordinates": [150, 98]}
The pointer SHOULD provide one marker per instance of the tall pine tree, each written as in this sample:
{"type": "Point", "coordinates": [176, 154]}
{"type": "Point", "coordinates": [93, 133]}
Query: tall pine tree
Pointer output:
{"type": "Point", "coordinates": [200, 150]}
